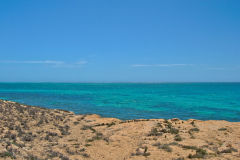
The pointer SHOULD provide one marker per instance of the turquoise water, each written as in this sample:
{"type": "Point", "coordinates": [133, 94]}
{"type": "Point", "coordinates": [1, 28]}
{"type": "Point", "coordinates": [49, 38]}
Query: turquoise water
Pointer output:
{"type": "Point", "coordinates": [220, 101]}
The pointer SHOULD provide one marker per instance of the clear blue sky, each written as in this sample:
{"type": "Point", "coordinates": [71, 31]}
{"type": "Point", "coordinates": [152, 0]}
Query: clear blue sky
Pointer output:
{"type": "Point", "coordinates": [120, 40]}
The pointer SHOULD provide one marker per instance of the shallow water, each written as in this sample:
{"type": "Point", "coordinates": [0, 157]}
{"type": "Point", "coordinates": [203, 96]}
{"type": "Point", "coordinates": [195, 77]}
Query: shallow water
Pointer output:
{"type": "Point", "coordinates": [205, 101]}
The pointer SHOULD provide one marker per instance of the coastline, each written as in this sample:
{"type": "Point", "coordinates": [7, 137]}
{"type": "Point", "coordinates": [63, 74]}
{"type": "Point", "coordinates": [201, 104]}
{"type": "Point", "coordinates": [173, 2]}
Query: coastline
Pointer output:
{"type": "Point", "coordinates": [29, 132]}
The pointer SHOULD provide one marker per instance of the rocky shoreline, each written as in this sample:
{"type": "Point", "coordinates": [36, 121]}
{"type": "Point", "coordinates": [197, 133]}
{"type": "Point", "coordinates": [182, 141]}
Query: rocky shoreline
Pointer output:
{"type": "Point", "coordinates": [35, 133]}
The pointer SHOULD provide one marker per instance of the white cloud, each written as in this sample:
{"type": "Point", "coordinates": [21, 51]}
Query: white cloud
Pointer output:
{"type": "Point", "coordinates": [35, 62]}
{"type": "Point", "coordinates": [160, 65]}
{"type": "Point", "coordinates": [58, 64]}
{"type": "Point", "coordinates": [216, 68]}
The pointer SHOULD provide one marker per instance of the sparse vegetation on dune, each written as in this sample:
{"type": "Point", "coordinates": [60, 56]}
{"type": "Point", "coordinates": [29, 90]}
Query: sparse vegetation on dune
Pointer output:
{"type": "Point", "coordinates": [28, 132]}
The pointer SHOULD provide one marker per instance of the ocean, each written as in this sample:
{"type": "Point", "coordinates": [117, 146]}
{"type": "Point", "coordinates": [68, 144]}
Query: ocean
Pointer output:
{"type": "Point", "coordinates": [204, 101]}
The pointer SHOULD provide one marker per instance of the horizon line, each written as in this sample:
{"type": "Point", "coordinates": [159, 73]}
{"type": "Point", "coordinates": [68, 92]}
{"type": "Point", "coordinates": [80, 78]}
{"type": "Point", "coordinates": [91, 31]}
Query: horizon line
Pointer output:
{"type": "Point", "coordinates": [120, 82]}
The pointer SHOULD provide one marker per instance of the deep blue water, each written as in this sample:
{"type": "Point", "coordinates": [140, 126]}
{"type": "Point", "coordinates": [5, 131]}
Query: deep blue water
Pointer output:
{"type": "Point", "coordinates": [205, 101]}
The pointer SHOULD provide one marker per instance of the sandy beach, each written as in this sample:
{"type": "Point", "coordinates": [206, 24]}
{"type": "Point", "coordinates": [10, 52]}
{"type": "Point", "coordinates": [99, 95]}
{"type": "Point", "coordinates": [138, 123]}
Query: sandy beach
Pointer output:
{"type": "Point", "coordinates": [28, 132]}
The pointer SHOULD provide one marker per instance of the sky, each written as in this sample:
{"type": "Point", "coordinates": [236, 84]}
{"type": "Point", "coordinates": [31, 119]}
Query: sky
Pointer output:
{"type": "Point", "coordinates": [120, 41]}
